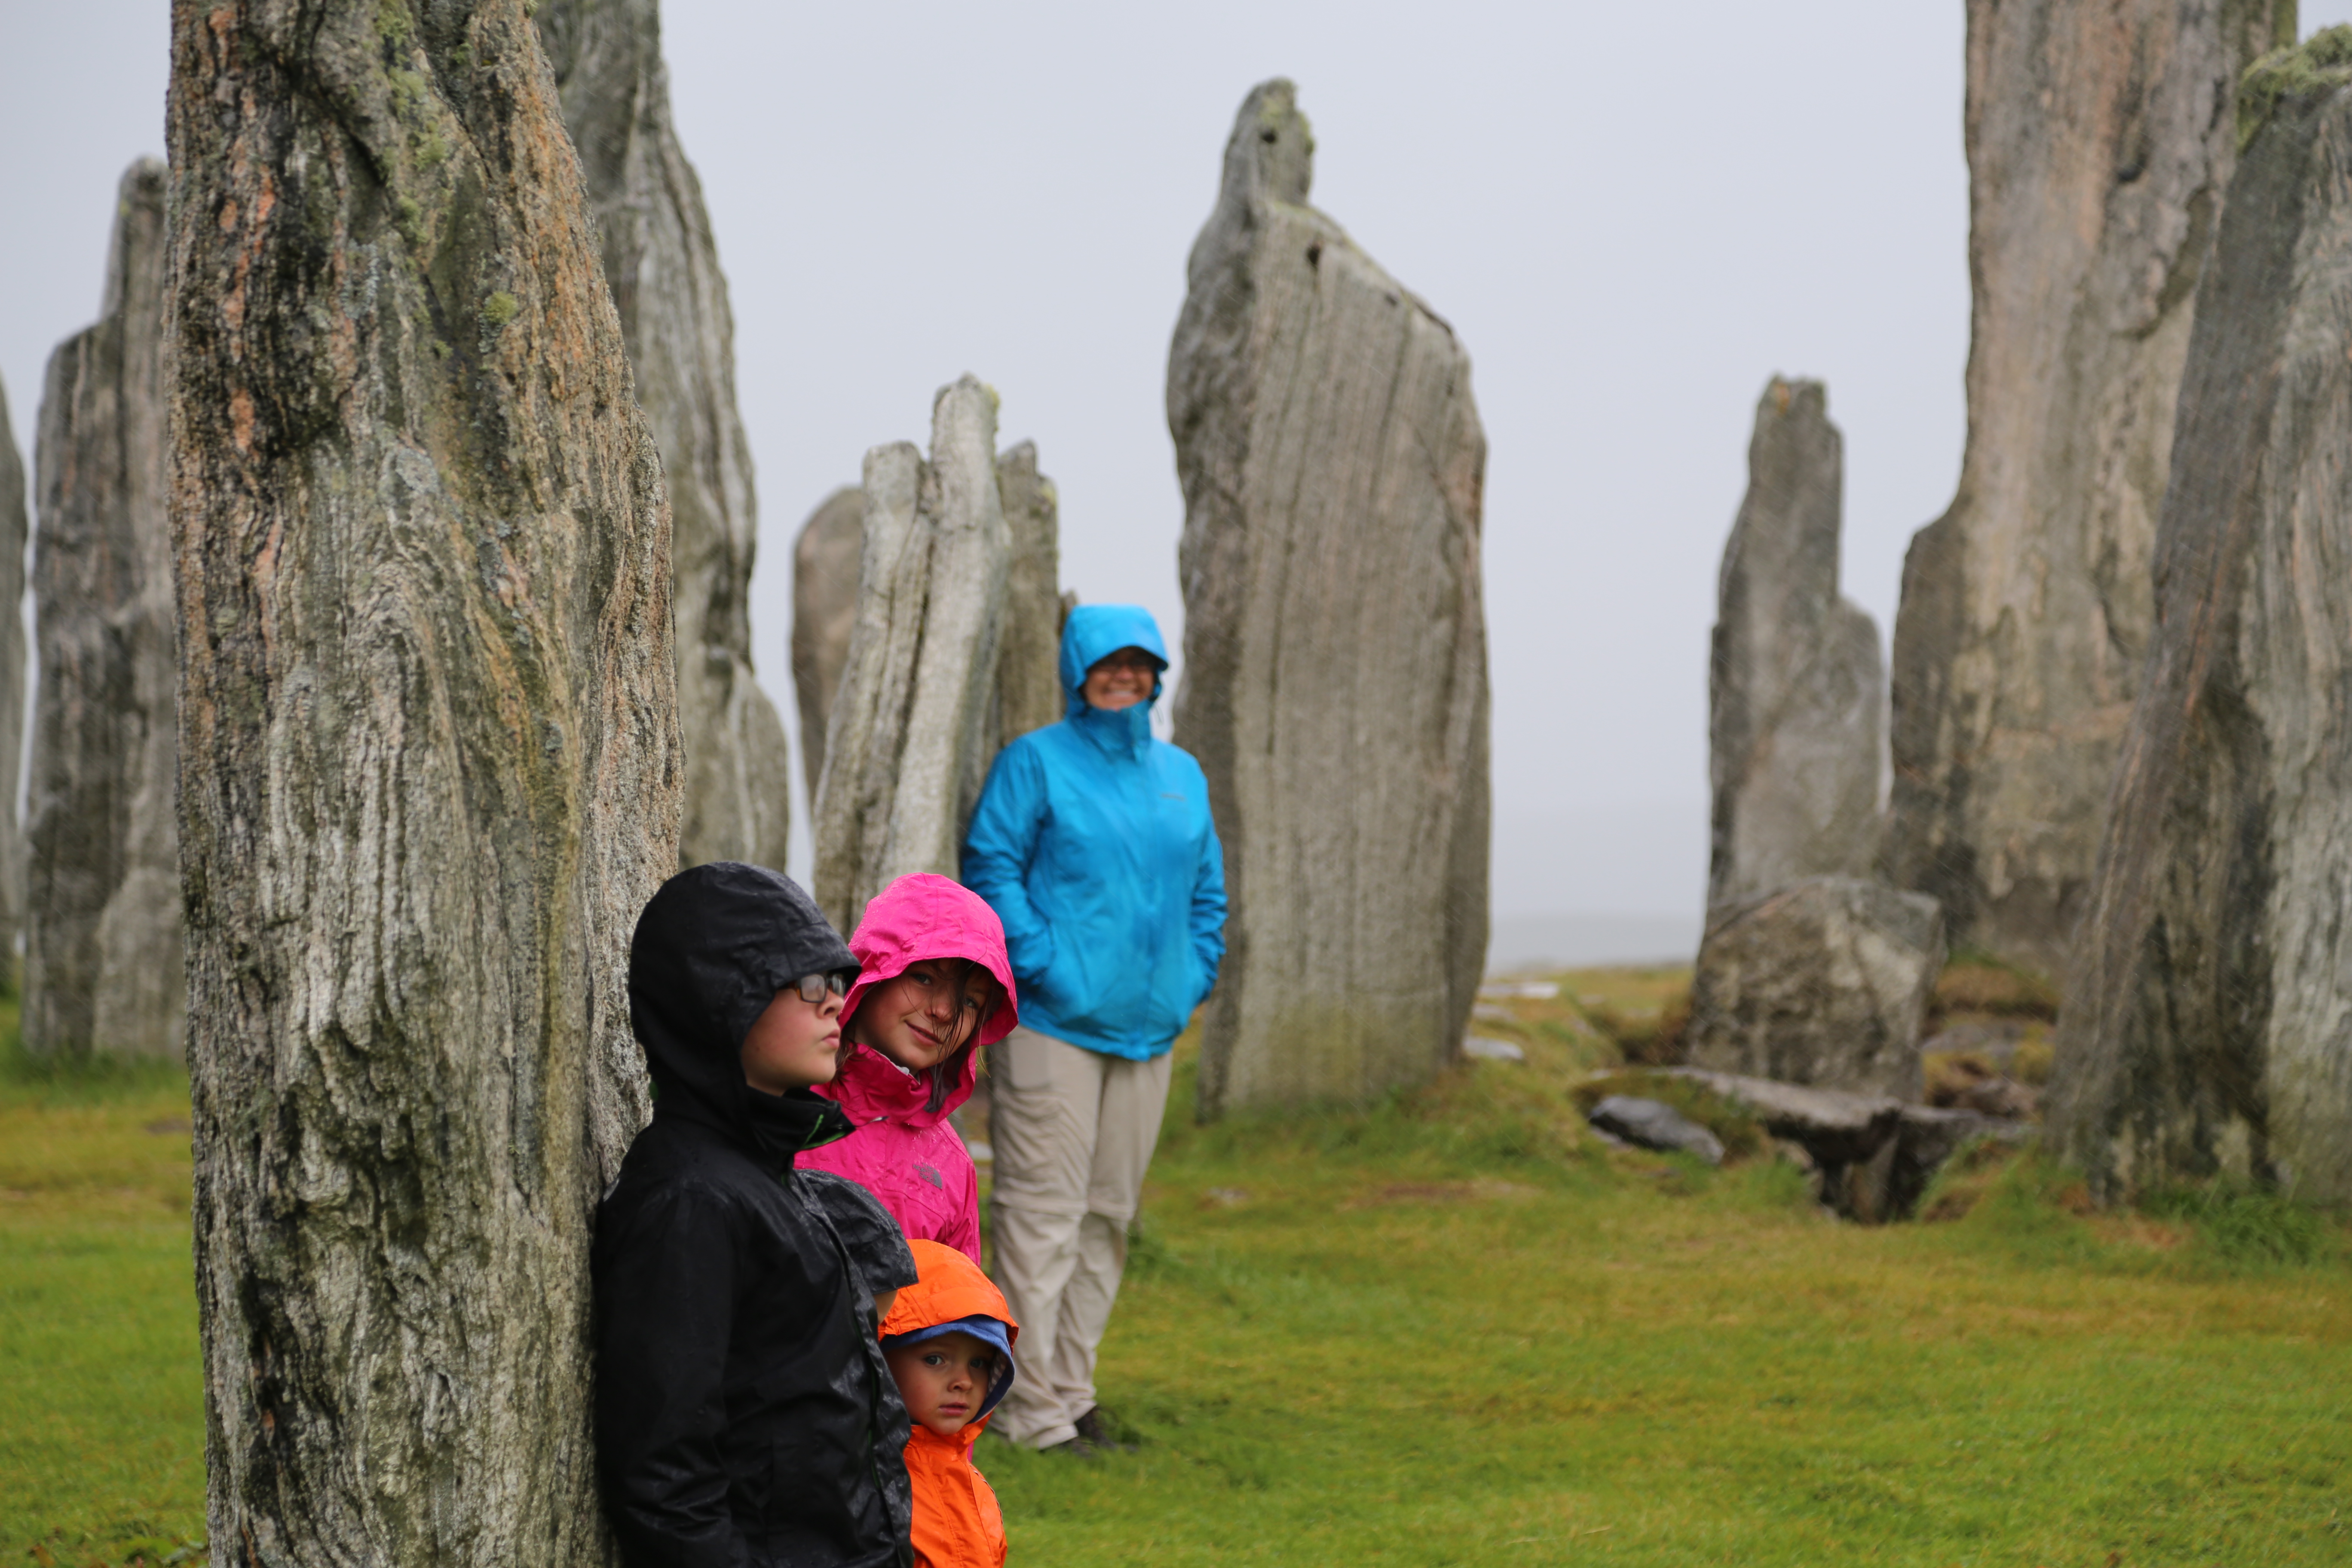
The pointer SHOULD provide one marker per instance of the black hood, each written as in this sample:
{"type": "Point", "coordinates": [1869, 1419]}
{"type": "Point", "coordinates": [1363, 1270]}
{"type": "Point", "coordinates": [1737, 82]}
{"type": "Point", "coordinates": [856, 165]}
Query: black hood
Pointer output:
{"type": "Point", "coordinates": [711, 950]}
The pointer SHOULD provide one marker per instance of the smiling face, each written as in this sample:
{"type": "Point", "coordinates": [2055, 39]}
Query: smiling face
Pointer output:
{"type": "Point", "coordinates": [944, 1381]}
{"type": "Point", "coordinates": [793, 1044]}
{"type": "Point", "coordinates": [927, 1013]}
{"type": "Point", "coordinates": [1120, 680]}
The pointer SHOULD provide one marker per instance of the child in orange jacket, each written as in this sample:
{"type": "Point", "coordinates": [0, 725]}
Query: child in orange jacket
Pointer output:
{"type": "Point", "coordinates": [949, 1341]}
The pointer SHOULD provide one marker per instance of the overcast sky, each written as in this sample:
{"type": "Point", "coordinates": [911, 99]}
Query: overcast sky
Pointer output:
{"type": "Point", "coordinates": [1634, 216]}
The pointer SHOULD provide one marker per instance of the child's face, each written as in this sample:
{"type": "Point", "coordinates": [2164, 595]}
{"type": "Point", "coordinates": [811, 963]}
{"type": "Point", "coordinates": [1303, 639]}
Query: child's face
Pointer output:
{"type": "Point", "coordinates": [943, 1380]}
{"type": "Point", "coordinates": [795, 1043]}
{"type": "Point", "coordinates": [927, 1013]}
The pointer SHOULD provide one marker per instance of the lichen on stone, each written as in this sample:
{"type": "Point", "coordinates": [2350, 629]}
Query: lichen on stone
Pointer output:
{"type": "Point", "coordinates": [498, 309]}
{"type": "Point", "coordinates": [2320, 64]}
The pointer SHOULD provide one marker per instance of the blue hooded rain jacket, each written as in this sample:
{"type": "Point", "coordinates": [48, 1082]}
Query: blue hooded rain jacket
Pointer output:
{"type": "Point", "coordinates": [1093, 843]}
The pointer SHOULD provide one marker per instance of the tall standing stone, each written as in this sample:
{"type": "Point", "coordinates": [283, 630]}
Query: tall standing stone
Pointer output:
{"type": "Point", "coordinates": [102, 962]}
{"type": "Point", "coordinates": [2209, 1025]}
{"type": "Point", "coordinates": [825, 608]}
{"type": "Point", "coordinates": [1029, 652]}
{"type": "Point", "coordinates": [1796, 685]}
{"type": "Point", "coordinates": [1335, 644]}
{"type": "Point", "coordinates": [911, 732]}
{"type": "Point", "coordinates": [663, 267]}
{"type": "Point", "coordinates": [429, 772]}
{"type": "Point", "coordinates": [2099, 142]}
{"type": "Point", "coordinates": [14, 532]}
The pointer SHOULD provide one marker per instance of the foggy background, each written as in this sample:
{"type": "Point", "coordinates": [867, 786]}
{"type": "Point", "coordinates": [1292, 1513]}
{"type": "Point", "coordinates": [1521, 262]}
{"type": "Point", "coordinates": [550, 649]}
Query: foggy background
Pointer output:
{"type": "Point", "coordinates": [1633, 216]}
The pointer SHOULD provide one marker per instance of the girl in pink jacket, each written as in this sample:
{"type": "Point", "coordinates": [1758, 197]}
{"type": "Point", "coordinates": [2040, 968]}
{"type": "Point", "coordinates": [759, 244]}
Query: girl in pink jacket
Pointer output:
{"type": "Point", "coordinates": [934, 986]}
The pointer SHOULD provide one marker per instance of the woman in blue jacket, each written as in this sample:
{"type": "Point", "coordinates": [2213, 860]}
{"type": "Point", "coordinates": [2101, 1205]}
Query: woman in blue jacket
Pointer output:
{"type": "Point", "coordinates": [1093, 843]}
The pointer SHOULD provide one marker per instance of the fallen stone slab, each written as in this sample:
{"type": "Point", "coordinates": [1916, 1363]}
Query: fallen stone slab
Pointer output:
{"type": "Point", "coordinates": [1653, 1124]}
{"type": "Point", "coordinates": [1874, 1155]}
{"type": "Point", "coordinates": [1836, 1128]}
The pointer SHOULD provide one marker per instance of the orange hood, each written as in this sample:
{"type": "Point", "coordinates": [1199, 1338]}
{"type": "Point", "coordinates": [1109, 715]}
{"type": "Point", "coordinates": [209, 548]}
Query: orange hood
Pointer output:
{"type": "Point", "coordinates": [948, 1287]}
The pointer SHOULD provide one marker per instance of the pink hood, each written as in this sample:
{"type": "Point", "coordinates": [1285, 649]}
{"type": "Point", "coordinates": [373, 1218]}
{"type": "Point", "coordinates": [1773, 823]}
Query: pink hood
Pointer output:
{"type": "Point", "coordinates": [915, 918]}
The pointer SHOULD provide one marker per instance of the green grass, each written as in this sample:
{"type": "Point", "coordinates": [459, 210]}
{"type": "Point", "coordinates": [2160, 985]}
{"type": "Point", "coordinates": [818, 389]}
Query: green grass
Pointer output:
{"type": "Point", "coordinates": [101, 1397]}
{"type": "Point", "coordinates": [1450, 1330]}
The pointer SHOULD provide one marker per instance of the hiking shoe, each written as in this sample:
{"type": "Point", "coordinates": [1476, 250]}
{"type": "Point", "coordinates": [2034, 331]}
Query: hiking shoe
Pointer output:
{"type": "Point", "coordinates": [1094, 1430]}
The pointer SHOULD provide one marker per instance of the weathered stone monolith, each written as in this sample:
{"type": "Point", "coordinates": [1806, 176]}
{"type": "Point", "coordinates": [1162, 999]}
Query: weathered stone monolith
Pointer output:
{"type": "Point", "coordinates": [1335, 645]}
{"type": "Point", "coordinates": [2208, 1024]}
{"type": "Point", "coordinates": [663, 267]}
{"type": "Point", "coordinates": [1824, 983]}
{"type": "Point", "coordinates": [102, 964]}
{"type": "Point", "coordinates": [1796, 686]}
{"type": "Point", "coordinates": [825, 608]}
{"type": "Point", "coordinates": [2099, 142]}
{"type": "Point", "coordinates": [428, 773]}
{"type": "Point", "coordinates": [13, 531]}
{"type": "Point", "coordinates": [1029, 649]}
{"type": "Point", "coordinates": [909, 738]}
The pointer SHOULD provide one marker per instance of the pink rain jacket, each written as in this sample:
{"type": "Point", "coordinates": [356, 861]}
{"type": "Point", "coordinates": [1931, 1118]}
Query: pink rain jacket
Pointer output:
{"type": "Point", "coordinates": [904, 1151]}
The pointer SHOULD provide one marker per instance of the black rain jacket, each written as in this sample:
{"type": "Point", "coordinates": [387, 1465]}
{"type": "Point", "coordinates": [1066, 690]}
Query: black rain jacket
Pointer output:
{"type": "Point", "coordinates": [745, 1417]}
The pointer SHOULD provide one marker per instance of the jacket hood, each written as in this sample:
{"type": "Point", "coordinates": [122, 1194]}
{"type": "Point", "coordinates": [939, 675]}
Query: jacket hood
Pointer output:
{"type": "Point", "coordinates": [915, 918]}
{"type": "Point", "coordinates": [949, 1288]}
{"type": "Point", "coordinates": [711, 950]}
{"type": "Point", "coordinates": [1094, 631]}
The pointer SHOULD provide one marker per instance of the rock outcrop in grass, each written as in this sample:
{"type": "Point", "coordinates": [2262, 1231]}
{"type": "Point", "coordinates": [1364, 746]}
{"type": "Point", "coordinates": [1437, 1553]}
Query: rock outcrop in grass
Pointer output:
{"type": "Point", "coordinates": [1825, 984]}
{"type": "Point", "coordinates": [102, 969]}
{"type": "Point", "coordinates": [1335, 646]}
{"type": "Point", "coordinates": [2099, 143]}
{"type": "Point", "coordinates": [2209, 1025]}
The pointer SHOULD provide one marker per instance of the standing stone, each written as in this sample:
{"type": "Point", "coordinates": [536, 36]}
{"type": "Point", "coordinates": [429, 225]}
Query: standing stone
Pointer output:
{"type": "Point", "coordinates": [102, 965]}
{"type": "Point", "coordinates": [825, 608]}
{"type": "Point", "coordinates": [12, 534]}
{"type": "Point", "coordinates": [1823, 984]}
{"type": "Point", "coordinates": [1335, 641]}
{"type": "Point", "coordinates": [1796, 685]}
{"type": "Point", "coordinates": [1029, 652]}
{"type": "Point", "coordinates": [909, 738]}
{"type": "Point", "coordinates": [2208, 1028]}
{"type": "Point", "coordinates": [663, 268]}
{"type": "Point", "coordinates": [429, 773]}
{"type": "Point", "coordinates": [2099, 142]}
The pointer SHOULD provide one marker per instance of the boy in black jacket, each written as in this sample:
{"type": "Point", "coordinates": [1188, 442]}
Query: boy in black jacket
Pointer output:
{"type": "Point", "coordinates": [744, 1415]}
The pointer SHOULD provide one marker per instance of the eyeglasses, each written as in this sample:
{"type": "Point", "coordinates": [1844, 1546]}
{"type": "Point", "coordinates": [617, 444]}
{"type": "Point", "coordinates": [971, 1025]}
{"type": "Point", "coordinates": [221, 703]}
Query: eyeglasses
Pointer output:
{"type": "Point", "coordinates": [1127, 661]}
{"type": "Point", "coordinates": [813, 988]}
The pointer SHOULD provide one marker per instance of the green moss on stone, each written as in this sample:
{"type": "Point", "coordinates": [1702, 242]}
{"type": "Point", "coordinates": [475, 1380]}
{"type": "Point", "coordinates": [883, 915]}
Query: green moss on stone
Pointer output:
{"type": "Point", "coordinates": [407, 90]}
{"type": "Point", "coordinates": [392, 23]}
{"type": "Point", "coordinates": [498, 309]}
{"type": "Point", "coordinates": [2321, 64]}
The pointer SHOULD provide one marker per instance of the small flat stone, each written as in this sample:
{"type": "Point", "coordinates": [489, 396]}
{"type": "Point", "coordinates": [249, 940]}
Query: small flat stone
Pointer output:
{"type": "Point", "coordinates": [1487, 1048]}
{"type": "Point", "coordinates": [1652, 1124]}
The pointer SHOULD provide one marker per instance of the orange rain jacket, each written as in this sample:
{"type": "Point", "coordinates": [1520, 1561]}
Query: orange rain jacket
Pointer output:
{"type": "Point", "coordinates": [956, 1523]}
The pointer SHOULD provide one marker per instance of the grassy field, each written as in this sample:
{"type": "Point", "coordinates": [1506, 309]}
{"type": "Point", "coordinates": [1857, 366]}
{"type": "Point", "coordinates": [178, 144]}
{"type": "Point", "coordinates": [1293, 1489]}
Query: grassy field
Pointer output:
{"type": "Point", "coordinates": [1452, 1329]}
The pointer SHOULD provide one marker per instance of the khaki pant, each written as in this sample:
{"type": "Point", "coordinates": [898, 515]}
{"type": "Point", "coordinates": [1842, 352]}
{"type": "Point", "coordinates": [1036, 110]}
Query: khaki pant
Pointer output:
{"type": "Point", "coordinates": [1073, 1133]}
